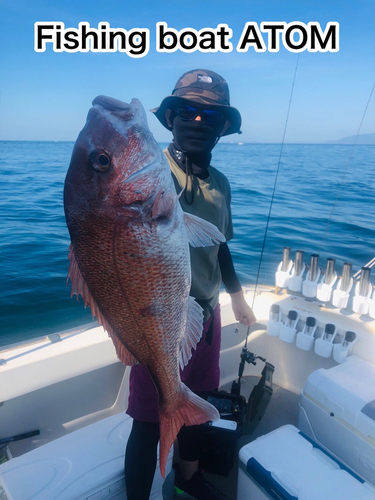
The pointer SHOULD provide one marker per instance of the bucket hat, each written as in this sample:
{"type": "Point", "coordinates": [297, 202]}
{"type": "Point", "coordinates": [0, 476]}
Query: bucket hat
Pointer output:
{"type": "Point", "coordinates": [203, 87]}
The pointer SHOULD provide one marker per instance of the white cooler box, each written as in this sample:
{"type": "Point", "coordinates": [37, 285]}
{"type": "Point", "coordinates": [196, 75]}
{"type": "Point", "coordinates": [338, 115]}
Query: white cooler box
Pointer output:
{"type": "Point", "coordinates": [286, 465]}
{"type": "Point", "coordinates": [337, 410]}
{"type": "Point", "coordinates": [85, 464]}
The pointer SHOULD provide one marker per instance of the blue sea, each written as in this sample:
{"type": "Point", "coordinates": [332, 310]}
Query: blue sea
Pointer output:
{"type": "Point", "coordinates": [34, 298]}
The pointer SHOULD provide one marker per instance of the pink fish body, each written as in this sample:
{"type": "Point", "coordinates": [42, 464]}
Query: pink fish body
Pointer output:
{"type": "Point", "coordinates": [129, 254]}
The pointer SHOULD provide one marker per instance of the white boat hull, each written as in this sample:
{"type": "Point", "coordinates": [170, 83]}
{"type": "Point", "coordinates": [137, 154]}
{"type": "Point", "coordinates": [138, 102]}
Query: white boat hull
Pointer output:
{"type": "Point", "coordinates": [73, 380]}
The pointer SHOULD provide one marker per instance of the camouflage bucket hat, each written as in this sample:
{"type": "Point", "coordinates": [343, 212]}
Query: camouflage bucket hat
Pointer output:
{"type": "Point", "coordinates": [203, 87]}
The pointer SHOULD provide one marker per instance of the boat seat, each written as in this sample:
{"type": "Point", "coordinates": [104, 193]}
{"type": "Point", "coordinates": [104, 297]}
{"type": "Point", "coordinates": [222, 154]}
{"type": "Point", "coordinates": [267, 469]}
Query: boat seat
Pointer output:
{"type": "Point", "coordinates": [85, 464]}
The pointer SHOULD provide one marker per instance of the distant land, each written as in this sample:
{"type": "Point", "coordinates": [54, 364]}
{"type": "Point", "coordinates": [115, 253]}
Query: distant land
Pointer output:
{"type": "Point", "coordinates": [362, 139]}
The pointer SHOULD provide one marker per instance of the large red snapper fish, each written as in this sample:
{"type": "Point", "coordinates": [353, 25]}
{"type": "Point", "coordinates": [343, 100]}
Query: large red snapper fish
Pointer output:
{"type": "Point", "coordinates": [129, 254]}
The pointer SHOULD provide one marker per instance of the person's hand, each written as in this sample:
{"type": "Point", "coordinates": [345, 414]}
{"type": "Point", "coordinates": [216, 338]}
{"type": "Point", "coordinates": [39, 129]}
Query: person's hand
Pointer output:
{"type": "Point", "coordinates": [242, 311]}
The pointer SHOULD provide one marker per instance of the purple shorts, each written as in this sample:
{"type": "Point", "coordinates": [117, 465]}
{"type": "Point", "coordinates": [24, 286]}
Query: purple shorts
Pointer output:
{"type": "Point", "coordinates": [202, 373]}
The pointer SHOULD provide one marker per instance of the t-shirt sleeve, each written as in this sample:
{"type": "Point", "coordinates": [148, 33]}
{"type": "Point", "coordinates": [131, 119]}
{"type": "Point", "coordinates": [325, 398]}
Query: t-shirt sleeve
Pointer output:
{"type": "Point", "coordinates": [229, 233]}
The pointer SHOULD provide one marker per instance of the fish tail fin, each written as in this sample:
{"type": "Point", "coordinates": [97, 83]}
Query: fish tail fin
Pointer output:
{"type": "Point", "coordinates": [191, 410]}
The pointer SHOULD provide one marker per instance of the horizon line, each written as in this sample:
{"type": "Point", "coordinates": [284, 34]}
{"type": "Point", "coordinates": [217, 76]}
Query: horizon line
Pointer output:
{"type": "Point", "coordinates": [239, 143]}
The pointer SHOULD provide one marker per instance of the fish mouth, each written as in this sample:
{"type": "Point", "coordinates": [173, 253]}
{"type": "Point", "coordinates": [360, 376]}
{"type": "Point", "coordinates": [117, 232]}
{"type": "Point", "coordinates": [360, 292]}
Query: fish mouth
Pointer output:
{"type": "Point", "coordinates": [111, 104]}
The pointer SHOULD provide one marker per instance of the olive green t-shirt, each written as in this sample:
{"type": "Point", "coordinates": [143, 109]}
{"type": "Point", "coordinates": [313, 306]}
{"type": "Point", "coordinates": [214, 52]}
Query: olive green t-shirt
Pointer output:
{"type": "Point", "coordinates": [212, 199]}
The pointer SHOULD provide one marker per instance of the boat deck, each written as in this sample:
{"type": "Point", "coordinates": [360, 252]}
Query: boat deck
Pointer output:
{"type": "Point", "coordinates": [282, 410]}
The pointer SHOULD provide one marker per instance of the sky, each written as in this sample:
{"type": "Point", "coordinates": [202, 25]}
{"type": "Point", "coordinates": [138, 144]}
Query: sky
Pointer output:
{"type": "Point", "coordinates": [46, 95]}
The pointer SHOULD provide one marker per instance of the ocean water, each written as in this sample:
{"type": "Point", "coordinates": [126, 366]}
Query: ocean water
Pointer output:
{"type": "Point", "coordinates": [34, 298]}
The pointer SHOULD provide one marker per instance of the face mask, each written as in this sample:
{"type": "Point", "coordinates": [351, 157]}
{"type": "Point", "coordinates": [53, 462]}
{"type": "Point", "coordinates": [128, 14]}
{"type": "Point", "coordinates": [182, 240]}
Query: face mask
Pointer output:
{"type": "Point", "coordinates": [195, 137]}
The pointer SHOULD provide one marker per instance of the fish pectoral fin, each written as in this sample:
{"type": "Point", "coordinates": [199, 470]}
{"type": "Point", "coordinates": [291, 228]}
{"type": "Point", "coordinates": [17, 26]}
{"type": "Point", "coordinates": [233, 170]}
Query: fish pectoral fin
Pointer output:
{"type": "Point", "coordinates": [194, 328]}
{"type": "Point", "coordinates": [79, 287]}
{"type": "Point", "coordinates": [202, 233]}
{"type": "Point", "coordinates": [163, 206]}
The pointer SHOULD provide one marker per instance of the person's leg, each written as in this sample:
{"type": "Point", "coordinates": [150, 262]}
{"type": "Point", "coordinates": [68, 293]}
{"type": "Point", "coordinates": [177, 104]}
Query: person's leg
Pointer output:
{"type": "Point", "coordinates": [141, 449]}
{"type": "Point", "coordinates": [140, 459]}
{"type": "Point", "coordinates": [202, 373]}
{"type": "Point", "coordinates": [188, 477]}
{"type": "Point", "coordinates": [189, 446]}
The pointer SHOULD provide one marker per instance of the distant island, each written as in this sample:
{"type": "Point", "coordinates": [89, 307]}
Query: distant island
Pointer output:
{"type": "Point", "coordinates": [362, 139]}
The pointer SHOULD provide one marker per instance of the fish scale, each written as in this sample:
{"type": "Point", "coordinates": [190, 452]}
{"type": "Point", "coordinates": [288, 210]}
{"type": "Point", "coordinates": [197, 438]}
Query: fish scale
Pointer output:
{"type": "Point", "coordinates": [129, 254]}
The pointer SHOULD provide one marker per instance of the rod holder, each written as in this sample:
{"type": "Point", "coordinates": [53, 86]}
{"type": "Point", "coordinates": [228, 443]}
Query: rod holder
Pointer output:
{"type": "Point", "coordinates": [346, 281]}
{"type": "Point", "coordinates": [274, 321]}
{"type": "Point", "coordinates": [341, 294]}
{"type": "Point", "coordinates": [310, 285]}
{"type": "Point", "coordinates": [330, 274]}
{"type": "Point", "coordinates": [299, 266]}
{"type": "Point", "coordinates": [286, 260]}
{"type": "Point", "coordinates": [275, 314]}
{"type": "Point", "coordinates": [324, 288]}
{"type": "Point", "coordinates": [343, 348]}
{"type": "Point", "coordinates": [363, 290]}
{"type": "Point", "coordinates": [288, 330]}
{"type": "Point", "coordinates": [364, 282]}
{"type": "Point", "coordinates": [283, 270]}
{"type": "Point", "coordinates": [314, 270]}
{"type": "Point", "coordinates": [305, 339]}
{"type": "Point", "coordinates": [324, 344]}
{"type": "Point", "coordinates": [295, 281]}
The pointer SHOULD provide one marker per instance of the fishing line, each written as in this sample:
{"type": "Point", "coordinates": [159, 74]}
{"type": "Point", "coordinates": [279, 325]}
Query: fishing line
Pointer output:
{"type": "Point", "coordinates": [346, 169]}
{"type": "Point", "coordinates": [273, 193]}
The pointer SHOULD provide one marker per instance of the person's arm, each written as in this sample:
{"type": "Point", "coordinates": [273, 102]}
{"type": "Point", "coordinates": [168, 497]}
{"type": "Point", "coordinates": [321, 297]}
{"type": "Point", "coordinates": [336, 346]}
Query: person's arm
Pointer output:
{"type": "Point", "coordinates": [228, 273]}
{"type": "Point", "coordinates": [242, 311]}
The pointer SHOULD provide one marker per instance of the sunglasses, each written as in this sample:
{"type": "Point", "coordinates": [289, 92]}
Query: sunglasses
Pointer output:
{"type": "Point", "coordinates": [189, 113]}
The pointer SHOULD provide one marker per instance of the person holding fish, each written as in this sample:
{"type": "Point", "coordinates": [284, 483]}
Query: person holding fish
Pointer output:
{"type": "Point", "coordinates": [198, 113]}
{"type": "Point", "coordinates": [148, 254]}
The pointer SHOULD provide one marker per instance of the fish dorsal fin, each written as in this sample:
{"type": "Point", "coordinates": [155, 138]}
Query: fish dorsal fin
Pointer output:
{"type": "Point", "coordinates": [202, 233]}
{"type": "Point", "coordinates": [194, 328]}
{"type": "Point", "coordinates": [79, 287]}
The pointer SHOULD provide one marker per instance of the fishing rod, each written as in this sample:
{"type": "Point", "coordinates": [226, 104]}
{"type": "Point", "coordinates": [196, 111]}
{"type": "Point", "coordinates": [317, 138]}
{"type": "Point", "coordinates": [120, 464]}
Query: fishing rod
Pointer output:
{"type": "Point", "coordinates": [246, 355]}
{"type": "Point", "coordinates": [262, 392]}
{"type": "Point", "coordinates": [358, 274]}
{"type": "Point", "coordinates": [346, 169]}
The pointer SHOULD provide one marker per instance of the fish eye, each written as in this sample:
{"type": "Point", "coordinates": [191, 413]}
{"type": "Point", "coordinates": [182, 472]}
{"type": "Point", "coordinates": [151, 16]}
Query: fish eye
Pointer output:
{"type": "Point", "coordinates": [100, 161]}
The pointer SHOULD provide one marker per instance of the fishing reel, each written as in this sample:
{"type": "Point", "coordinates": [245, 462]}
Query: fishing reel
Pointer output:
{"type": "Point", "coordinates": [260, 395]}
{"type": "Point", "coordinates": [237, 417]}
{"type": "Point", "coordinates": [246, 357]}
